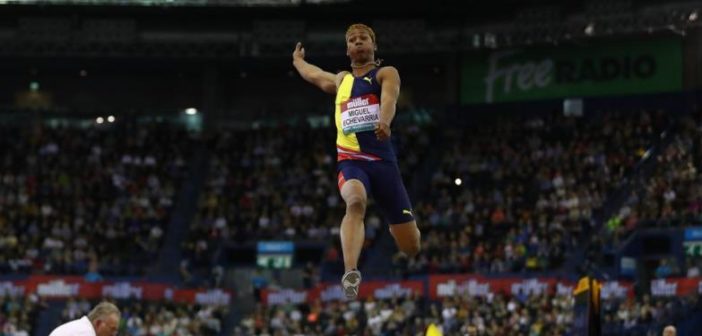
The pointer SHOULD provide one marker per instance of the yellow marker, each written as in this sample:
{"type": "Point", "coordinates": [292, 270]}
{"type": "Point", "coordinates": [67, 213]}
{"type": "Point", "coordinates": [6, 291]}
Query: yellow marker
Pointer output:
{"type": "Point", "coordinates": [433, 330]}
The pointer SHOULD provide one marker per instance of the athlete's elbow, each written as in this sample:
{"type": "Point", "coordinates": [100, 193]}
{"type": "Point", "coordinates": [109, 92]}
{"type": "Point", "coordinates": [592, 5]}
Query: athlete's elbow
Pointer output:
{"type": "Point", "coordinates": [329, 88]}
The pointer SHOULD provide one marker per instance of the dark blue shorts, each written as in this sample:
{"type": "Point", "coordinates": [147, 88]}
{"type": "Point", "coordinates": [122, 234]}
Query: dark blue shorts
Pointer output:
{"type": "Point", "coordinates": [383, 181]}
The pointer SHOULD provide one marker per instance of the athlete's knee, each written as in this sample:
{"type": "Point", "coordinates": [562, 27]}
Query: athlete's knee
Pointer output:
{"type": "Point", "coordinates": [413, 245]}
{"type": "Point", "coordinates": [408, 241]}
{"type": "Point", "coordinates": [356, 205]}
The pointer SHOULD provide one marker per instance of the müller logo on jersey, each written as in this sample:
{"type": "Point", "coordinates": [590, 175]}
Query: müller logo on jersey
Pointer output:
{"type": "Point", "coordinates": [356, 102]}
{"type": "Point", "coordinates": [360, 114]}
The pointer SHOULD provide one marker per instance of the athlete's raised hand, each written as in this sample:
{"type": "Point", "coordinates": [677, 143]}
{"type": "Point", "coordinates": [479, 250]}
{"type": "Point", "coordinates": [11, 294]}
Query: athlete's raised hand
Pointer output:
{"type": "Point", "coordinates": [299, 52]}
{"type": "Point", "coordinates": [382, 131]}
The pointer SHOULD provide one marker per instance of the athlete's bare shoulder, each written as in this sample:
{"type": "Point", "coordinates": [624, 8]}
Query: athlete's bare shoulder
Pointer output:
{"type": "Point", "coordinates": [387, 71]}
{"type": "Point", "coordinates": [339, 77]}
{"type": "Point", "coordinates": [385, 68]}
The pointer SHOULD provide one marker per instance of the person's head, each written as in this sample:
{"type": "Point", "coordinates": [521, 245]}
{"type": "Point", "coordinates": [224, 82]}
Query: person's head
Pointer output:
{"type": "Point", "coordinates": [669, 331]}
{"type": "Point", "coordinates": [105, 319]}
{"type": "Point", "coordinates": [360, 43]}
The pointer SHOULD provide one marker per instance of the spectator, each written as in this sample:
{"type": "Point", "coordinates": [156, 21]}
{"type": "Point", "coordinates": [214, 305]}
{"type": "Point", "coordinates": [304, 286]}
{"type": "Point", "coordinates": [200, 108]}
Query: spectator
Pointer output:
{"type": "Point", "coordinates": [693, 270]}
{"type": "Point", "coordinates": [664, 269]}
{"type": "Point", "coordinates": [76, 197]}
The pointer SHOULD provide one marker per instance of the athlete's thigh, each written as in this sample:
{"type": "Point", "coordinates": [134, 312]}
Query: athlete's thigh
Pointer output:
{"type": "Point", "coordinates": [352, 180]}
{"type": "Point", "coordinates": [389, 192]}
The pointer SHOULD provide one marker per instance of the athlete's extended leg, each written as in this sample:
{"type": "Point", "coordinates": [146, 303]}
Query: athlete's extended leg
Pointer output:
{"type": "Point", "coordinates": [407, 237]}
{"type": "Point", "coordinates": [352, 233]}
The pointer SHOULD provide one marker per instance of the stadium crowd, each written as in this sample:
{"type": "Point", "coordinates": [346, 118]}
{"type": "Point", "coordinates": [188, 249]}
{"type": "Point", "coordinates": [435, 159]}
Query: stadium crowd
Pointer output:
{"type": "Point", "coordinates": [18, 314]}
{"type": "Point", "coordinates": [144, 318]}
{"type": "Point", "coordinates": [507, 195]}
{"type": "Point", "coordinates": [669, 196]}
{"type": "Point", "coordinates": [535, 314]}
{"type": "Point", "coordinates": [92, 202]}
{"type": "Point", "coordinates": [516, 194]}
{"type": "Point", "coordinates": [255, 174]}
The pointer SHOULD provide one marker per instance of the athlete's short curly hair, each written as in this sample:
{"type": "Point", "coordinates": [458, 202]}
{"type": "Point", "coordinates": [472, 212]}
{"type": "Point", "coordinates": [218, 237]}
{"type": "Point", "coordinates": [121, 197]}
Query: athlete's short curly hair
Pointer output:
{"type": "Point", "coordinates": [361, 26]}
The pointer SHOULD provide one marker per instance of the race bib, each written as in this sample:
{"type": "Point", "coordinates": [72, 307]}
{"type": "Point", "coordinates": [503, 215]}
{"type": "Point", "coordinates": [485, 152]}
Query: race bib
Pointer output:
{"type": "Point", "coordinates": [360, 114]}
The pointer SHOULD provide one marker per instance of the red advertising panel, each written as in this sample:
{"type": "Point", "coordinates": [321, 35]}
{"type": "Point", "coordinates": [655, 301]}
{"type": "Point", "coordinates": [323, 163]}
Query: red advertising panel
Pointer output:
{"type": "Point", "coordinates": [476, 285]}
{"type": "Point", "coordinates": [444, 286]}
{"type": "Point", "coordinates": [330, 292]}
{"type": "Point", "coordinates": [676, 286]}
{"type": "Point", "coordinates": [55, 287]}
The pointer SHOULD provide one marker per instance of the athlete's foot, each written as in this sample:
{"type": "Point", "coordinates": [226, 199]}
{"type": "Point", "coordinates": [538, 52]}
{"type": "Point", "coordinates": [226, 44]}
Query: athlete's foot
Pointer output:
{"type": "Point", "coordinates": [350, 282]}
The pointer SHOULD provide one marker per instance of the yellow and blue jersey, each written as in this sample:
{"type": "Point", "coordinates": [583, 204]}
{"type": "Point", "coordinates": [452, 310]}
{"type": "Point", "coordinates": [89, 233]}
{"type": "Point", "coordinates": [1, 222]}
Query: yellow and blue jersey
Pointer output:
{"type": "Point", "coordinates": [357, 109]}
{"type": "Point", "coordinates": [361, 155]}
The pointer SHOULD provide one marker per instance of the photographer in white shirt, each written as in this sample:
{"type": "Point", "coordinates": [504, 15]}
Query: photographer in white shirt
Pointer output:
{"type": "Point", "coordinates": [103, 320]}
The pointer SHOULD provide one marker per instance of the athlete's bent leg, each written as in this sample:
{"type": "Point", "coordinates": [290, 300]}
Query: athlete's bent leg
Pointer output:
{"type": "Point", "coordinates": [407, 237]}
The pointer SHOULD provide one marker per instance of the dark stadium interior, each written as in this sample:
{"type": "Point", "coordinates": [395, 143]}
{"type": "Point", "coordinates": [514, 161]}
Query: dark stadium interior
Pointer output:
{"type": "Point", "coordinates": [165, 155]}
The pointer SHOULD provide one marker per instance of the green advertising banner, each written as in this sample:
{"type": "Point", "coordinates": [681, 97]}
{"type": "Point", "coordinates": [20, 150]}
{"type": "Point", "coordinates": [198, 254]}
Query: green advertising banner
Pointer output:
{"type": "Point", "coordinates": [611, 68]}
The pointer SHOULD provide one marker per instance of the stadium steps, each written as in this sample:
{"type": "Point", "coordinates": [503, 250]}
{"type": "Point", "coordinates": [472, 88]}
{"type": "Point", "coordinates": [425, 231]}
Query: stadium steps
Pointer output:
{"type": "Point", "coordinates": [292, 279]}
{"type": "Point", "coordinates": [49, 318]}
{"type": "Point", "coordinates": [379, 257]}
{"type": "Point", "coordinates": [421, 181]}
{"type": "Point", "coordinates": [236, 312]}
{"type": "Point", "coordinates": [578, 263]}
{"type": "Point", "coordinates": [184, 210]}
{"type": "Point", "coordinates": [240, 279]}
{"type": "Point", "coordinates": [244, 301]}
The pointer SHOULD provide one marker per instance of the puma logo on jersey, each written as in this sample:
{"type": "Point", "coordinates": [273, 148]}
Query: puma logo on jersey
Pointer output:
{"type": "Point", "coordinates": [370, 81]}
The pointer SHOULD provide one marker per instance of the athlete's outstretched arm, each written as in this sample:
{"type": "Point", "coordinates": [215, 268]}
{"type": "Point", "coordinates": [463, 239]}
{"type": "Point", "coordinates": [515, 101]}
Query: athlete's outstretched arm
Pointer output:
{"type": "Point", "coordinates": [312, 73]}
{"type": "Point", "coordinates": [389, 80]}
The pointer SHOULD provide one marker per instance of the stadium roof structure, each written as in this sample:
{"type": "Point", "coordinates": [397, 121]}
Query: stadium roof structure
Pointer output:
{"type": "Point", "coordinates": [215, 3]}
{"type": "Point", "coordinates": [236, 28]}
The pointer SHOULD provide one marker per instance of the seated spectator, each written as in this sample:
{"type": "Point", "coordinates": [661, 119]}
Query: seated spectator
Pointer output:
{"type": "Point", "coordinates": [498, 314]}
{"type": "Point", "coordinates": [517, 194]}
{"type": "Point", "coordinates": [73, 197]}
{"type": "Point", "coordinates": [161, 318]}
{"type": "Point", "coordinates": [666, 268]}
{"type": "Point", "coordinates": [19, 314]}
{"type": "Point", "coordinates": [693, 267]}
{"type": "Point", "coordinates": [260, 186]}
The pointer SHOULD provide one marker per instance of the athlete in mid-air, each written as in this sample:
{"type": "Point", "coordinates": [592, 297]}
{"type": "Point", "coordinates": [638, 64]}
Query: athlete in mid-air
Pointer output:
{"type": "Point", "coordinates": [365, 105]}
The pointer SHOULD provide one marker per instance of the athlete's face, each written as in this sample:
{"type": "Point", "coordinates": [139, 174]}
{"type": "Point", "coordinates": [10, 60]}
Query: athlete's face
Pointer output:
{"type": "Point", "coordinates": [359, 46]}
